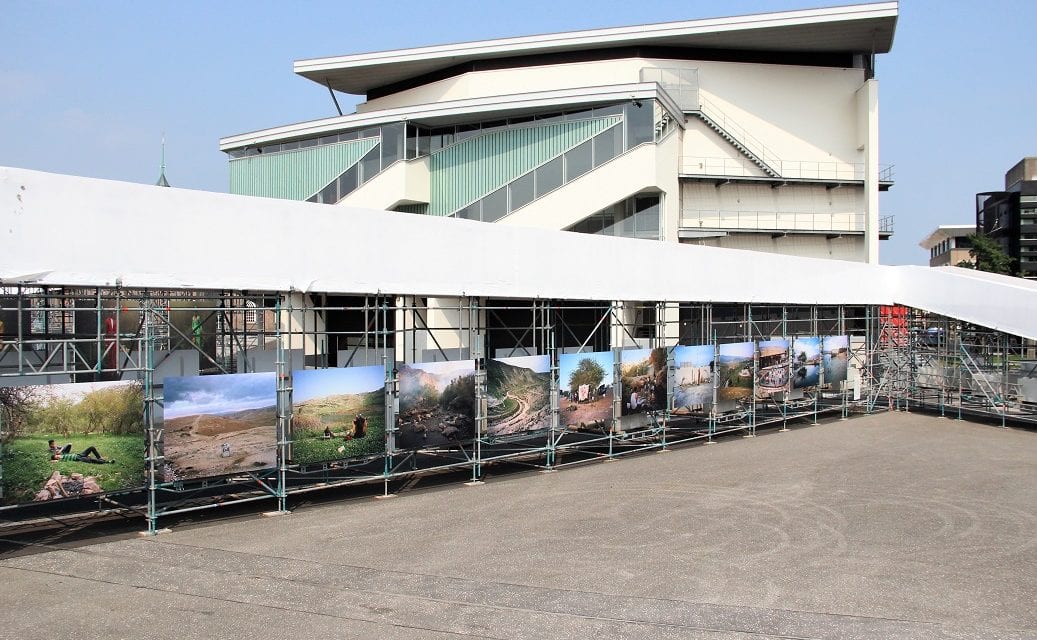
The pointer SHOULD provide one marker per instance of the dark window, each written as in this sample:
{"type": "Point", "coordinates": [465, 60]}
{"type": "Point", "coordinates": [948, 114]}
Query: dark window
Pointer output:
{"type": "Point", "coordinates": [608, 144]}
{"type": "Point", "coordinates": [347, 182]}
{"type": "Point", "coordinates": [369, 165]}
{"type": "Point", "coordinates": [639, 123]}
{"type": "Point", "coordinates": [578, 161]}
{"type": "Point", "coordinates": [549, 177]}
{"type": "Point", "coordinates": [495, 205]}
{"type": "Point", "coordinates": [392, 143]}
{"type": "Point", "coordinates": [521, 191]}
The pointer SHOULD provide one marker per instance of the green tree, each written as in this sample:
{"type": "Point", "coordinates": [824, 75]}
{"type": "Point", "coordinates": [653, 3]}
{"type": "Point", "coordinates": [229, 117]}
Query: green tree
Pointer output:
{"type": "Point", "coordinates": [588, 372]}
{"type": "Point", "coordinates": [989, 255]}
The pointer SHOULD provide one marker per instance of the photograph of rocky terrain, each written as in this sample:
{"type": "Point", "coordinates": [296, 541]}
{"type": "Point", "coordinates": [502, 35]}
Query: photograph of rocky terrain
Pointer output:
{"type": "Point", "coordinates": [437, 404]}
{"type": "Point", "coordinates": [518, 391]}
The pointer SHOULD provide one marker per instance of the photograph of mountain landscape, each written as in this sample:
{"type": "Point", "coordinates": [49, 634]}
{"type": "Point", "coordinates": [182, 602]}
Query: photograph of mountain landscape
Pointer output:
{"type": "Point", "coordinates": [519, 395]}
{"type": "Point", "coordinates": [643, 378]}
{"type": "Point", "coordinates": [772, 374]}
{"type": "Point", "coordinates": [806, 362]}
{"type": "Point", "coordinates": [216, 425]}
{"type": "Point", "coordinates": [337, 413]}
{"type": "Point", "coordinates": [71, 440]}
{"type": "Point", "coordinates": [835, 352]}
{"type": "Point", "coordinates": [693, 378]}
{"type": "Point", "coordinates": [585, 382]}
{"type": "Point", "coordinates": [437, 404]}
{"type": "Point", "coordinates": [736, 371]}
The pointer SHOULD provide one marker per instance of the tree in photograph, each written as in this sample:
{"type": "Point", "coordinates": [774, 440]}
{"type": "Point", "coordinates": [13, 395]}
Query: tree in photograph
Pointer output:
{"type": "Point", "coordinates": [588, 372]}
{"type": "Point", "coordinates": [989, 256]}
{"type": "Point", "coordinates": [16, 404]}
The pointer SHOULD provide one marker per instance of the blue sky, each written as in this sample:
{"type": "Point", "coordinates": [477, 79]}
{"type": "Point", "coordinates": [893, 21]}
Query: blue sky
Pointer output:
{"type": "Point", "coordinates": [88, 88]}
{"type": "Point", "coordinates": [536, 364]}
{"type": "Point", "coordinates": [318, 383]}
{"type": "Point", "coordinates": [215, 395]}
{"type": "Point", "coordinates": [695, 355]}
{"type": "Point", "coordinates": [810, 345]}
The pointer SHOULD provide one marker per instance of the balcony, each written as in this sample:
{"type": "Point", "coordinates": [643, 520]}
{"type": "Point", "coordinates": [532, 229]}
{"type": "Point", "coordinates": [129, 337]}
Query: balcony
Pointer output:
{"type": "Point", "coordinates": [780, 223]}
{"type": "Point", "coordinates": [789, 171]}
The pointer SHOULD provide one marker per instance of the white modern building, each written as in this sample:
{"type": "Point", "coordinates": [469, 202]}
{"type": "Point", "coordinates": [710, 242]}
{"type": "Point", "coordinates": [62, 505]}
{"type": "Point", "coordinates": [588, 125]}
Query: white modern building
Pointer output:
{"type": "Point", "coordinates": [949, 245]}
{"type": "Point", "coordinates": [752, 132]}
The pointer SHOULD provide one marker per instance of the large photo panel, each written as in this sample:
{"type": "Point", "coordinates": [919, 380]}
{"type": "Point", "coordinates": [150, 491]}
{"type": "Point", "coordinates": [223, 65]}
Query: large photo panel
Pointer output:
{"type": "Point", "coordinates": [736, 371]}
{"type": "Point", "coordinates": [694, 367]}
{"type": "Point", "coordinates": [585, 384]}
{"type": "Point", "coordinates": [437, 404]}
{"type": "Point", "coordinates": [337, 413]}
{"type": "Point", "coordinates": [806, 362]}
{"type": "Point", "coordinates": [643, 378]}
{"type": "Point", "coordinates": [71, 440]}
{"type": "Point", "coordinates": [218, 425]}
{"type": "Point", "coordinates": [772, 374]}
{"type": "Point", "coordinates": [519, 395]}
{"type": "Point", "coordinates": [835, 351]}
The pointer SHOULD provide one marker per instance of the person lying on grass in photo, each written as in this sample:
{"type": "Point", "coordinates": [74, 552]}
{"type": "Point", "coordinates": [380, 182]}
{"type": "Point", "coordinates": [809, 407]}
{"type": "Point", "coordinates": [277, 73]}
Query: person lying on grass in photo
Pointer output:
{"type": "Point", "coordinates": [64, 454]}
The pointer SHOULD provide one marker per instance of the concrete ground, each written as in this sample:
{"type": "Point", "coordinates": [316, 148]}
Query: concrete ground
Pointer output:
{"type": "Point", "coordinates": [892, 525]}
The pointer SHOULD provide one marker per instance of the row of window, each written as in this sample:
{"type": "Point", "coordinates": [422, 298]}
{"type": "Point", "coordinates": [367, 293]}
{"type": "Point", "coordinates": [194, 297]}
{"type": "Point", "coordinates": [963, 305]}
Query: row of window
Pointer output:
{"type": "Point", "coordinates": [635, 128]}
{"type": "Point", "coordinates": [636, 217]}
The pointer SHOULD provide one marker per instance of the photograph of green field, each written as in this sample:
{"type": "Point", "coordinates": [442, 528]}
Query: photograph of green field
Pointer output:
{"type": "Point", "coordinates": [736, 371]}
{"type": "Point", "coordinates": [71, 440]}
{"type": "Point", "coordinates": [218, 425]}
{"type": "Point", "coordinates": [519, 395]}
{"type": "Point", "coordinates": [337, 414]}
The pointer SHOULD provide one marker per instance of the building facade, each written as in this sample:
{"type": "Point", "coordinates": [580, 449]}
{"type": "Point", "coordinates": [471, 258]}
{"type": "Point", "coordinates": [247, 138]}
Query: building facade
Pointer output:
{"type": "Point", "coordinates": [1010, 216]}
{"type": "Point", "coordinates": [754, 132]}
{"type": "Point", "coordinates": [949, 245]}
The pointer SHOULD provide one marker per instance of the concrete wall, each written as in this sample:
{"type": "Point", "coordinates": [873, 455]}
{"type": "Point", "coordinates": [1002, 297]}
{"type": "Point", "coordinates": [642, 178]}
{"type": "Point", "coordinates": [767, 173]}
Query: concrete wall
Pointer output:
{"type": "Point", "coordinates": [812, 246]}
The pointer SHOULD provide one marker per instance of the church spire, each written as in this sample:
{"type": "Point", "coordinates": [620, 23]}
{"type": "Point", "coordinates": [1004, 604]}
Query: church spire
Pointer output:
{"type": "Point", "coordinates": [162, 182]}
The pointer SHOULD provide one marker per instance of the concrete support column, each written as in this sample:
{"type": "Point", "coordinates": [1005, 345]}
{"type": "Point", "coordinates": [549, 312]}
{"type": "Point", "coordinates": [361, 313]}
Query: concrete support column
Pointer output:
{"type": "Point", "coordinates": [868, 142]}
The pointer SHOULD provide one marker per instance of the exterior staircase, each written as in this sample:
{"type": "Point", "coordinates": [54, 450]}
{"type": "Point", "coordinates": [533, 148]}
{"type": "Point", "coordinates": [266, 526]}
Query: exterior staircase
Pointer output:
{"type": "Point", "coordinates": [733, 141]}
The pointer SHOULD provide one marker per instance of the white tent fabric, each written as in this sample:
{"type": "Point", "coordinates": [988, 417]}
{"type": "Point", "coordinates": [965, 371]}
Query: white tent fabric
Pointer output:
{"type": "Point", "coordinates": [65, 230]}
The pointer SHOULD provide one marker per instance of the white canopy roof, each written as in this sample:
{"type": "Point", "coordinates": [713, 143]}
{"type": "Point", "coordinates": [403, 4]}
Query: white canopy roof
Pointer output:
{"type": "Point", "coordinates": [64, 230]}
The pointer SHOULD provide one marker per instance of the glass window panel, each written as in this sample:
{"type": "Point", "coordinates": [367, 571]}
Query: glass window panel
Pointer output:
{"type": "Point", "coordinates": [611, 110]}
{"type": "Point", "coordinates": [582, 114]}
{"type": "Point", "coordinates": [412, 142]}
{"type": "Point", "coordinates": [639, 123]}
{"type": "Point", "coordinates": [288, 146]}
{"type": "Point", "coordinates": [578, 161]}
{"type": "Point", "coordinates": [369, 133]}
{"type": "Point", "coordinates": [369, 165]}
{"type": "Point", "coordinates": [392, 143]}
{"type": "Point", "coordinates": [520, 120]}
{"type": "Point", "coordinates": [329, 194]}
{"type": "Point", "coordinates": [349, 135]}
{"type": "Point", "coordinates": [495, 205]}
{"type": "Point", "coordinates": [328, 140]}
{"type": "Point", "coordinates": [521, 191]}
{"type": "Point", "coordinates": [471, 212]}
{"type": "Point", "coordinates": [423, 142]}
{"type": "Point", "coordinates": [347, 181]}
{"type": "Point", "coordinates": [608, 144]}
{"type": "Point", "coordinates": [467, 131]}
{"type": "Point", "coordinates": [549, 176]}
{"type": "Point", "coordinates": [550, 117]}
{"type": "Point", "coordinates": [312, 142]}
{"type": "Point", "coordinates": [494, 124]}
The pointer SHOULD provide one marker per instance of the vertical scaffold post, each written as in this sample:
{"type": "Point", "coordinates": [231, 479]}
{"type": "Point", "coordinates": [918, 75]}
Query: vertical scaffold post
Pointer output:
{"type": "Point", "coordinates": [476, 345]}
{"type": "Point", "coordinates": [284, 407]}
{"type": "Point", "coordinates": [716, 383]}
{"type": "Point", "coordinates": [388, 370]}
{"type": "Point", "coordinates": [1003, 409]}
{"type": "Point", "coordinates": [849, 350]}
{"type": "Point", "coordinates": [154, 436]}
{"type": "Point", "coordinates": [556, 417]}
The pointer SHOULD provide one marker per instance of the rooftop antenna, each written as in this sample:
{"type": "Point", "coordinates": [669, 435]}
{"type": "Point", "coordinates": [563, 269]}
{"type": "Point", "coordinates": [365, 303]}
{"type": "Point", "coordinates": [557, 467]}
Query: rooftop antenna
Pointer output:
{"type": "Point", "coordinates": [162, 182]}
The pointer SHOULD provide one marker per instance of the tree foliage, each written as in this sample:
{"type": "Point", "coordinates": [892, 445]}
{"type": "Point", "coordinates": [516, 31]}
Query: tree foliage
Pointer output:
{"type": "Point", "coordinates": [32, 410]}
{"type": "Point", "coordinates": [459, 395]}
{"type": "Point", "coordinates": [588, 372]}
{"type": "Point", "coordinates": [989, 255]}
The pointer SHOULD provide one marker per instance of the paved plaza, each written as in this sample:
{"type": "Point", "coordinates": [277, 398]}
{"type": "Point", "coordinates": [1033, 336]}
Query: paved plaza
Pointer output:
{"type": "Point", "coordinates": [891, 525]}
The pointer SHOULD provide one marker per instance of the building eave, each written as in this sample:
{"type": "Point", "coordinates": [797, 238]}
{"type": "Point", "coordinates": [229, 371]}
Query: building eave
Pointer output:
{"type": "Point", "coordinates": [862, 28]}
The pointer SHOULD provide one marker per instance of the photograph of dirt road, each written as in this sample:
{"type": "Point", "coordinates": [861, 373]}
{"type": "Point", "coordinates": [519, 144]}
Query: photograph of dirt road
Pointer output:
{"type": "Point", "coordinates": [586, 388]}
{"type": "Point", "coordinates": [835, 352]}
{"type": "Point", "coordinates": [736, 371]}
{"type": "Point", "coordinates": [437, 404]}
{"type": "Point", "coordinates": [772, 375]}
{"type": "Point", "coordinates": [693, 378]}
{"type": "Point", "coordinates": [337, 413]}
{"type": "Point", "coordinates": [217, 425]}
{"type": "Point", "coordinates": [519, 395]}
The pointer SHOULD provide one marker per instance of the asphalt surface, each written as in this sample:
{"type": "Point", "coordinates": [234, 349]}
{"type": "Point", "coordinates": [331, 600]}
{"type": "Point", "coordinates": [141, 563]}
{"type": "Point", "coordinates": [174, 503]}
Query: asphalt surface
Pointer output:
{"type": "Point", "coordinates": [887, 526]}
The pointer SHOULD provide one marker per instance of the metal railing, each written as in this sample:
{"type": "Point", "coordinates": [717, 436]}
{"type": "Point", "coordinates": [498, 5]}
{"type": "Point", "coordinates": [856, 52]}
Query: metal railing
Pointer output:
{"type": "Point", "coordinates": [791, 169]}
{"type": "Point", "coordinates": [773, 221]}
